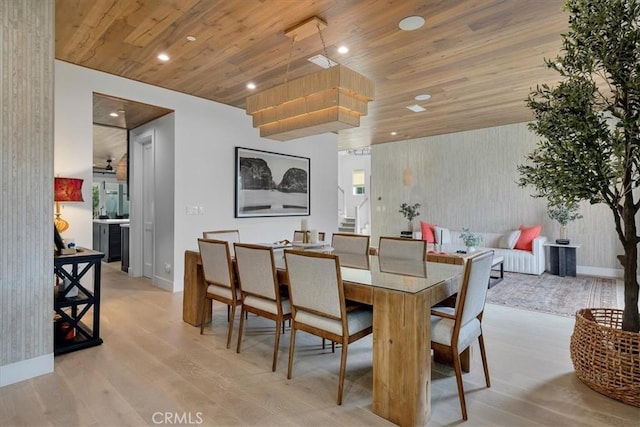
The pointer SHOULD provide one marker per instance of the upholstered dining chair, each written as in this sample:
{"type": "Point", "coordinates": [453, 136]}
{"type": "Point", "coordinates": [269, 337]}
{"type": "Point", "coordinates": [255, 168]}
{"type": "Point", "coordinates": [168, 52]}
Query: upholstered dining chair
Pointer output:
{"type": "Point", "coordinates": [231, 236]}
{"type": "Point", "coordinates": [349, 243]}
{"type": "Point", "coordinates": [399, 247]}
{"type": "Point", "coordinates": [259, 286]}
{"type": "Point", "coordinates": [218, 275]}
{"type": "Point", "coordinates": [318, 305]}
{"type": "Point", "coordinates": [454, 329]}
{"type": "Point", "coordinates": [298, 235]}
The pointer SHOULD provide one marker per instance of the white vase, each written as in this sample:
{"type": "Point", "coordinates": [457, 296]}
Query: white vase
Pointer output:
{"type": "Point", "coordinates": [470, 249]}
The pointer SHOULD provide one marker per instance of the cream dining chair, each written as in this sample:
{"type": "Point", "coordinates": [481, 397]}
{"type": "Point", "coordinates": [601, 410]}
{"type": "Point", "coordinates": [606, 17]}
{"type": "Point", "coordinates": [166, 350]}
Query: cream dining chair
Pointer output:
{"type": "Point", "coordinates": [259, 286]}
{"type": "Point", "coordinates": [298, 235]}
{"type": "Point", "coordinates": [231, 236]}
{"type": "Point", "coordinates": [399, 247]}
{"type": "Point", "coordinates": [218, 275]}
{"type": "Point", "coordinates": [318, 305]}
{"type": "Point", "coordinates": [454, 329]}
{"type": "Point", "coordinates": [349, 243]}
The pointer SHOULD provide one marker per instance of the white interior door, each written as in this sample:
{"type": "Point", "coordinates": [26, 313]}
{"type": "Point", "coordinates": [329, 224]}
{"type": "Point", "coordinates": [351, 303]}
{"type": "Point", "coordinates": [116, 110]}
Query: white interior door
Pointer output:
{"type": "Point", "coordinates": [147, 209]}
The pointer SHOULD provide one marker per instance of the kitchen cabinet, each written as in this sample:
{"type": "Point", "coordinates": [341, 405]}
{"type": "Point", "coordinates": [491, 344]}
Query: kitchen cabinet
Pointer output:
{"type": "Point", "coordinates": [107, 238]}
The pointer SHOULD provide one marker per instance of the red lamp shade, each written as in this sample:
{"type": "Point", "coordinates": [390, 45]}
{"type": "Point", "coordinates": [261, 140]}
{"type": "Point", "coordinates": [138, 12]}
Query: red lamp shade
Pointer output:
{"type": "Point", "coordinates": [68, 190]}
{"type": "Point", "coordinates": [65, 190]}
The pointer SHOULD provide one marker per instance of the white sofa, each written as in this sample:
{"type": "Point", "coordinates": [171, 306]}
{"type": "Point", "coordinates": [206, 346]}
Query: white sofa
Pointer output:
{"type": "Point", "coordinates": [515, 260]}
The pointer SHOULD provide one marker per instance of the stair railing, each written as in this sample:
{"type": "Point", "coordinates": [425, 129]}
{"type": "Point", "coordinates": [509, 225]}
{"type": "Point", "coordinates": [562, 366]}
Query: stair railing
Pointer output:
{"type": "Point", "coordinates": [357, 230]}
{"type": "Point", "coordinates": [342, 211]}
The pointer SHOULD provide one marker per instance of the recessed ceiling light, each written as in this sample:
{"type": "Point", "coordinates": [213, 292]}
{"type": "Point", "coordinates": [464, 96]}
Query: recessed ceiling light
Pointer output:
{"type": "Point", "coordinates": [423, 97]}
{"type": "Point", "coordinates": [343, 49]}
{"type": "Point", "coordinates": [251, 85]}
{"type": "Point", "coordinates": [163, 57]}
{"type": "Point", "coordinates": [322, 61]}
{"type": "Point", "coordinates": [416, 108]}
{"type": "Point", "coordinates": [113, 114]}
{"type": "Point", "coordinates": [191, 38]}
{"type": "Point", "coordinates": [411, 23]}
{"type": "Point", "coordinates": [394, 133]}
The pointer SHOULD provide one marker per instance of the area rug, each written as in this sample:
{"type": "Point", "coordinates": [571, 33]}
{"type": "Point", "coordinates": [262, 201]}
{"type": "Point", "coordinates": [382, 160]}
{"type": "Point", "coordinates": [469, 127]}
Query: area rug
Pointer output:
{"type": "Point", "coordinates": [553, 294]}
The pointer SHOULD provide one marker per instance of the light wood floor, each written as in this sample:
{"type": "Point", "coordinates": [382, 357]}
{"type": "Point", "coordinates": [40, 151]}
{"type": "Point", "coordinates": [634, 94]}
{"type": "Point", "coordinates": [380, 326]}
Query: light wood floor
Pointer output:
{"type": "Point", "coordinates": [152, 362]}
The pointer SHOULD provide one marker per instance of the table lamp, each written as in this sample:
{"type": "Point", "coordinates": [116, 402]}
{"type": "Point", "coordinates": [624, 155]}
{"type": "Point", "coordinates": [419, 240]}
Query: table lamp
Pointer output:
{"type": "Point", "coordinates": [66, 190]}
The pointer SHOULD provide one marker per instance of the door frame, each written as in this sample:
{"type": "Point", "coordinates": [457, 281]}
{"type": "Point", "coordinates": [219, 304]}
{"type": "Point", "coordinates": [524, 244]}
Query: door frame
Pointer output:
{"type": "Point", "coordinates": [136, 148]}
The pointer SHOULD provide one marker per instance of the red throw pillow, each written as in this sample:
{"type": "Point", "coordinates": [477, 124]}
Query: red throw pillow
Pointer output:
{"type": "Point", "coordinates": [527, 234]}
{"type": "Point", "coordinates": [428, 232]}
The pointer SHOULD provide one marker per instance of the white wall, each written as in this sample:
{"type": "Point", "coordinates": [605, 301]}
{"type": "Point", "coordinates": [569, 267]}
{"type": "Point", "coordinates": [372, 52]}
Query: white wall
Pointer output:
{"type": "Point", "coordinates": [206, 134]}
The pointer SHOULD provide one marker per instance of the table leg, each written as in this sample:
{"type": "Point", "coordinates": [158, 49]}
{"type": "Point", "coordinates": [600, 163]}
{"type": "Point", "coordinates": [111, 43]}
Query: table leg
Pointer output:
{"type": "Point", "coordinates": [445, 358]}
{"type": "Point", "coordinates": [194, 291]}
{"type": "Point", "coordinates": [401, 357]}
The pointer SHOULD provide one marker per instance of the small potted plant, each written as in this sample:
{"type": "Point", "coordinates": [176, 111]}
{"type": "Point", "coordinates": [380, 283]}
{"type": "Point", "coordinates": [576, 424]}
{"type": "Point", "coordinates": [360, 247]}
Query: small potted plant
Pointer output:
{"type": "Point", "coordinates": [563, 213]}
{"type": "Point", "coordinates": [470, 239]}
{"type": "Point", "coordinates": [410, 212]}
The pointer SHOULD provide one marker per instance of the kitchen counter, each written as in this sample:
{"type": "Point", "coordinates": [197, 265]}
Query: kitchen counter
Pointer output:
{"type": "Point", "coordinates": [111, 221]}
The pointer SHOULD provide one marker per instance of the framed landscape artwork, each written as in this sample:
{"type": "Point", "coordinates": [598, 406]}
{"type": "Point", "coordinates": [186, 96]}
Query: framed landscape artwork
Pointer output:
{"type": "Point", "coordinates": [271, 184]}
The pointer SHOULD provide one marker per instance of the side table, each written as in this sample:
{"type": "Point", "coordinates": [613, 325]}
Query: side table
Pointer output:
{"type": "Point", "coordinates": [75, 301]}
{"type": "Point", "coordinates": [562, 259]}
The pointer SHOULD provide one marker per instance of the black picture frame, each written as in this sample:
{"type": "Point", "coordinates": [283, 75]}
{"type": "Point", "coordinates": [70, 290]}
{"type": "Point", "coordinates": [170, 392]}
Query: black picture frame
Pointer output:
{"type": "Point", "coordinates": [57, 240]}
{"type": "Point", "coordinates": [269, 184]}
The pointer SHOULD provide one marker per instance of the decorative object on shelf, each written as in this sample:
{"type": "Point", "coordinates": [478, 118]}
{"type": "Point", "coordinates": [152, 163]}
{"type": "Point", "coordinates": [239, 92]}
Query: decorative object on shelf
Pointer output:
{"type": "Point", "coordinates": [65, 190]}
{"type": "Point", "coordinates": [470, 239]}
{"type": "Point", "coordinates": [328, 100]}
{"type": "Point", "coordinates": [410, 212]}
{"type": "Point", "coordinates": [563, 213]}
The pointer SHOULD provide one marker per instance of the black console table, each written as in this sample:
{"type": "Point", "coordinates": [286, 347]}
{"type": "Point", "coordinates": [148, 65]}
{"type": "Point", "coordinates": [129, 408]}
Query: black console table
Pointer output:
{"type": "Point", "coordinates": [73, 302]}
{"type": "Point", "coordinates": [562, 259]}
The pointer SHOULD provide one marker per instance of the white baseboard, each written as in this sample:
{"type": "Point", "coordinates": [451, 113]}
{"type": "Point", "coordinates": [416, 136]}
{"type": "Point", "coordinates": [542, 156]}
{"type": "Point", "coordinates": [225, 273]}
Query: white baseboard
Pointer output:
{"type": "Point", "coordinates": [163, 283]}
{"type": "Point", "coordinates": [25, 369]}
{"type": "Point", "coordinates": [615, 273]}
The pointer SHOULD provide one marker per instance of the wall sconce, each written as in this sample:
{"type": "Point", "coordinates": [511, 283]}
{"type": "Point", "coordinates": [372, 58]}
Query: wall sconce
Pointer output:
{"type": "Point", "coordinates": [407, 177]}
{"type": "Point", "coordinates": [66, 190]}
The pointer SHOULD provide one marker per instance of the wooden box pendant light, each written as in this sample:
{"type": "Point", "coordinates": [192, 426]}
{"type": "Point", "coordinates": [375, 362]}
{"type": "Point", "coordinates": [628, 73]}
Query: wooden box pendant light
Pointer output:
{"type": "Point", "coordinates": [328, 100]}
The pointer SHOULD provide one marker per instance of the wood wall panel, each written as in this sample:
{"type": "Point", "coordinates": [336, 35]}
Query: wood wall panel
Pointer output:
{"type": "Point", "coordinates": [26, 179]}
{"type": "Point", "coordinates": [468, 179]}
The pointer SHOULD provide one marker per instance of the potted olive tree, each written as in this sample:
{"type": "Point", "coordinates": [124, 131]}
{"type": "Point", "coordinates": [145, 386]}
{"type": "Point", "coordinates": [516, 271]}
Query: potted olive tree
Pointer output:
{"type": "Point", "coordinates": [589, 125]}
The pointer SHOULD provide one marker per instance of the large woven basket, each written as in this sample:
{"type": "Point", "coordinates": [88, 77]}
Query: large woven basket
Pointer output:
{"type": "Point", "coordinates": [606, 358]}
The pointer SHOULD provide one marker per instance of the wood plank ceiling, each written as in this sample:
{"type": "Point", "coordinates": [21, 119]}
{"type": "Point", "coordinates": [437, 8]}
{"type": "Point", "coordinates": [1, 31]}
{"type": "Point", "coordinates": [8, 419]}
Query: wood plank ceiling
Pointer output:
{"type": "Point", "coordinates": [478, 59]}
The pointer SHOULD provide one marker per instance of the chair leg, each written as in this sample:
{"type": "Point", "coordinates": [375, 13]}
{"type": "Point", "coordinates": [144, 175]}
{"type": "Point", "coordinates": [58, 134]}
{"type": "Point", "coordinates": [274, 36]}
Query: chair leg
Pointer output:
{"type": "Point", "coordinates": [204, 303]}
{"type": "Point", "coordinates": [343, 366]}
{"type": "Point", "coordinates": [292, 345]}
{"type": "Point", "coordinates": [483, 354]}
{"type": "Point", "coordinates": [240, 329]}
{"type": "Point", "coordinates": [458, 369]}
{"type": "Point", "coordinates": [230, 331]}
{"type": "Point", "coordinates": [276, 345]}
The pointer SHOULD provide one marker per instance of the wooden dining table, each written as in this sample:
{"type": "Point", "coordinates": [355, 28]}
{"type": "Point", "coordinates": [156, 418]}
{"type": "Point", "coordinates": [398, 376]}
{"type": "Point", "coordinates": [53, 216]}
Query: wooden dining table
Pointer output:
{"type": "Point", "coordinates": [401, 293]}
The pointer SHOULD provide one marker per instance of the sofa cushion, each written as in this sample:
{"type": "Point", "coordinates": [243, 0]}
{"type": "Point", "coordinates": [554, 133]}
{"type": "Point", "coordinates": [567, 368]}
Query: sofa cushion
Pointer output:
{"type": "Point", "coordinates": [527, 234]}
{"type": "Point", "coordinates": [428, 232]}
{"type": "Point", "coordinates": [442, 235]}
{"type": "Point", "coordinates": [509, 239]}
